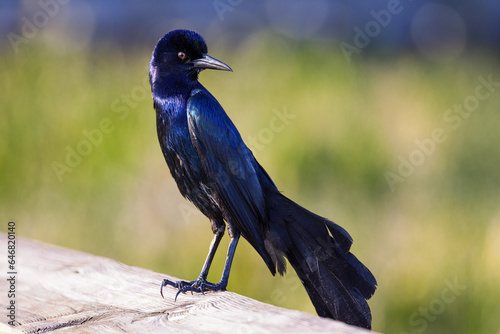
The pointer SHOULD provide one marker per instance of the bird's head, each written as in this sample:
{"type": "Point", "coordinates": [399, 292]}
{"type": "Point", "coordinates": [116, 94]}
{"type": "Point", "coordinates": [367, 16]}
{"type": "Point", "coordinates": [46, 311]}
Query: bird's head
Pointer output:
{"type": "Point", "coordinates": [181, 55]}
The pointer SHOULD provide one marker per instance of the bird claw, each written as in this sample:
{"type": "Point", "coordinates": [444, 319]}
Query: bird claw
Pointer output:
{"type": "Point", "coordinates": [199, 285]}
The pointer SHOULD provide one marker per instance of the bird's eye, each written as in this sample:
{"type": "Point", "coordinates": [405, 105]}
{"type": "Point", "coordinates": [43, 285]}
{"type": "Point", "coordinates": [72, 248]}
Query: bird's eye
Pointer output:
{"type": "Point", "coordinates": [181, 55]}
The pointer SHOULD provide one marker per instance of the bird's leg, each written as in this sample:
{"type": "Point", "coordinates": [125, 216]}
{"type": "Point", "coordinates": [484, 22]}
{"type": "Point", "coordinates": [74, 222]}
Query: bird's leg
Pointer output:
{"type": "Point", "coordinates": [203, 285]}
{"type": "Point", "coordinates": [182, 285]}
{"type": "Point", "coordinates": [227, 266]}
{"type": "Point", "coordinates": [202, 278]}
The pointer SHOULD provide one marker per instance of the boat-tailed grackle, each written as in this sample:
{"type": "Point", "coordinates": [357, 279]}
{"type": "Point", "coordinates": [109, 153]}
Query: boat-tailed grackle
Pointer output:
{"type": "Point", "coordinates": [216, 171]}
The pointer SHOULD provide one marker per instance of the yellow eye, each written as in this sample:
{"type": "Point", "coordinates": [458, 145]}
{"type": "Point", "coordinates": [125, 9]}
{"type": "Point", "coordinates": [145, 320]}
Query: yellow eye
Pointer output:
{"type": "Point", "coordinates": [181, 55]}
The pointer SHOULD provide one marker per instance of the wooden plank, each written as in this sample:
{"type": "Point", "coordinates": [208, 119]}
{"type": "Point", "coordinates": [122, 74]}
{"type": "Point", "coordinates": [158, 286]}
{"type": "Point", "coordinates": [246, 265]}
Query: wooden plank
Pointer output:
{"type": "Point", "coordinates": [67, 291]}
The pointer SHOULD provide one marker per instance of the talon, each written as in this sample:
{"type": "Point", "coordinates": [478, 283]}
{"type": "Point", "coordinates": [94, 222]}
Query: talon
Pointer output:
{"type": "Point", "coordinates": [164, 283]}
{"type": "Point", "coordinates": [177, 294]}
{"type": "Point", "coordinates": [198, 285]}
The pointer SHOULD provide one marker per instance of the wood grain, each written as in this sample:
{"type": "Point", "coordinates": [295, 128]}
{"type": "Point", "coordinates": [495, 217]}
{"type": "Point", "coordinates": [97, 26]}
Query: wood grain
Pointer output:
{"type": "Point", "coordinates": [68, 291]}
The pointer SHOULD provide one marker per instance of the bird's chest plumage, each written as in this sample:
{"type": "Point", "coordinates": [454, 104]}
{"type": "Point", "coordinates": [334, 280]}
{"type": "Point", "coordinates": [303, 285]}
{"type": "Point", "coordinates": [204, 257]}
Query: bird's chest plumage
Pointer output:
{"type": "Point", "coordinates": [181, 156]}
{"type": "Point", "coordinates": [179, 152]}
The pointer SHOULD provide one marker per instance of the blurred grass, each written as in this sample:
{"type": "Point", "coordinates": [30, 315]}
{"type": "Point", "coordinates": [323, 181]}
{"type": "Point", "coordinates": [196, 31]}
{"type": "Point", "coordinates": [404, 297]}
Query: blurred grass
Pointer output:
{"type": "Point", "coordinates": [351, 123]}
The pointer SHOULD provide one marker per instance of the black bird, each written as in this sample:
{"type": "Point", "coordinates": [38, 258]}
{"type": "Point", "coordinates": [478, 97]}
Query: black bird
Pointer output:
{"type": "Point", "coordinates": [216, 171]}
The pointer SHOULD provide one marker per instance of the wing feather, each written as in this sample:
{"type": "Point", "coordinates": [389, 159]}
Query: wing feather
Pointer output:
{"type": "Point", "coordinates": [230, 166]}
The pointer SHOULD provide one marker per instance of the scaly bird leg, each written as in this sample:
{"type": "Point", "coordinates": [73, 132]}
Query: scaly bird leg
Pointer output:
{"type": "Point", "coordinates": [201, 285]}
{"type": "Point", "coordinates": [206, 266]}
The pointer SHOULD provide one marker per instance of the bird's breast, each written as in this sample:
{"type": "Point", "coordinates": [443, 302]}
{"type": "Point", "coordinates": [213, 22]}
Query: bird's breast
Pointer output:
{"type": "Point", "coordinates": [180, 154]}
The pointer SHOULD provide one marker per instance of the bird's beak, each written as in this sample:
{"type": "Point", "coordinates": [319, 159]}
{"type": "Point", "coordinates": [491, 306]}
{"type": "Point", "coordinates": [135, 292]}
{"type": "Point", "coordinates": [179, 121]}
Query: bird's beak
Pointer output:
{"type": "Point", "coordinates": [209, 62]}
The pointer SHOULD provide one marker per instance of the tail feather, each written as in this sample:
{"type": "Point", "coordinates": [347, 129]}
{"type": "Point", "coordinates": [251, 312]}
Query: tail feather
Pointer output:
{"type": "Point", "coordinates": [337, 283]}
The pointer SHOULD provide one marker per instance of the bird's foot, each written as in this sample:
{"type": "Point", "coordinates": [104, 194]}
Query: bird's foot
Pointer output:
{"type": "Point", "coordinates": [198, 285]}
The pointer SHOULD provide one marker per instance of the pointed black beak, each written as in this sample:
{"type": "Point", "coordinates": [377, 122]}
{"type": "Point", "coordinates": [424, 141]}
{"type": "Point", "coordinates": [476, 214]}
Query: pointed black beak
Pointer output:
{"type": "Point", "coordinates": [209, 62]}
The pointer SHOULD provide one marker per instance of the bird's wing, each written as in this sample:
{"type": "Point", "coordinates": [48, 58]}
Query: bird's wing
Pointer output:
{"type": "Point", "coordinates": [229, 164]}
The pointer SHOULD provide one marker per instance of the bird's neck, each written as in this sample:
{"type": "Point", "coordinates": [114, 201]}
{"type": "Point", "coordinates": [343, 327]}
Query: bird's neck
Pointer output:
{"type": "Point", "coordinates": [170, 94]}
{"type": "Point", "coordinates": [170, 100]}
{"type": "Point", "coordinates": [171, 85]}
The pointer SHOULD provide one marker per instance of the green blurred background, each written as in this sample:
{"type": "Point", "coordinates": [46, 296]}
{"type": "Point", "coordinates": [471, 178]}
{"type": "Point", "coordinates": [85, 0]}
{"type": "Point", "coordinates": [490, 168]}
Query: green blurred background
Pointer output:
{"type": "Point", "coordinates": [431, 239]}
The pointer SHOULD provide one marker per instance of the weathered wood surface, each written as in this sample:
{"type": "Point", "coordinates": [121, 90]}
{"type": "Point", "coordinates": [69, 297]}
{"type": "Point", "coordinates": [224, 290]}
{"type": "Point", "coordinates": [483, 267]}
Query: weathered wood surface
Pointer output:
{"type": "Point", "coordinates": [67, 291]}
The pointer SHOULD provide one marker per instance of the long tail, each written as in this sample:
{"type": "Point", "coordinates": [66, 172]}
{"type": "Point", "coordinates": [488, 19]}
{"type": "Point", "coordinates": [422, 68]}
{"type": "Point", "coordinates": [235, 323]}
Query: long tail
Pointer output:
{"type": "Point", "coordinates": [338, 284]}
